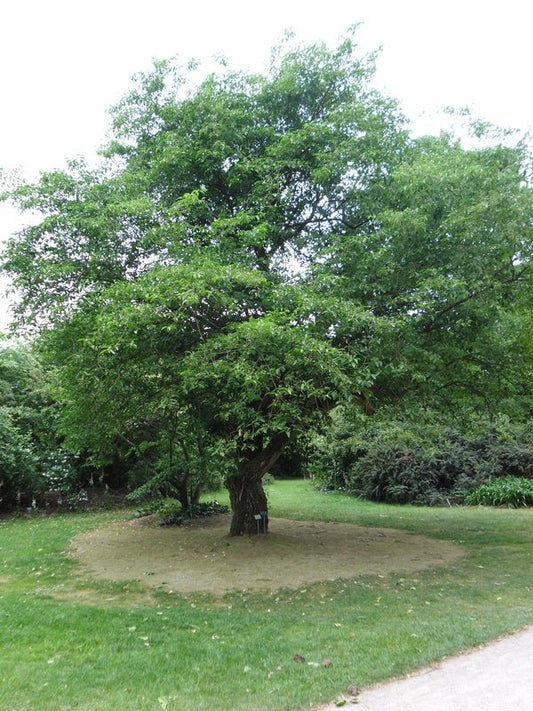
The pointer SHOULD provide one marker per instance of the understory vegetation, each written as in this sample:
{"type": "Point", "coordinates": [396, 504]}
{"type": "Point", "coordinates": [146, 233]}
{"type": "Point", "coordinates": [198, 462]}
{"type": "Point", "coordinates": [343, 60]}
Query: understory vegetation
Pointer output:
{"type": "Point", "coordinates": [420, 459]}
{"type": "Point", "coordinates": [169, 512]}
{"type": "Point", "coordinates": [424, 462]}
{"type": "Point", "coordinates": [513, 492]}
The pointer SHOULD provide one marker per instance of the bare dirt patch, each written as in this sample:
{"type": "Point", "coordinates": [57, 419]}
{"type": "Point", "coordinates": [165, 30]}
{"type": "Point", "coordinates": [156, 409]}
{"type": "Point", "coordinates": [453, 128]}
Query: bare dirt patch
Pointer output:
{"type": "Point", "coordinates": [202, 558]}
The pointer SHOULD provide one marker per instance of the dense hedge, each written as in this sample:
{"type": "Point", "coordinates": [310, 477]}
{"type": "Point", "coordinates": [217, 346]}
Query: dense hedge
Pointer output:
{"type": "Point", "coordinates": [420, 464]}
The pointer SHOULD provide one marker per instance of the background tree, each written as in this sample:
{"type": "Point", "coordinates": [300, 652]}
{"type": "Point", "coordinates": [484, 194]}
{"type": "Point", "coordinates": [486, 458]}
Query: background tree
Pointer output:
{"type": "Point", "coordinates": [446, 262]}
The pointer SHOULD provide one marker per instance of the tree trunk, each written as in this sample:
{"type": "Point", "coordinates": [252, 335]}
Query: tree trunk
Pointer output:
{"type": "Point", "coordinates": [247, 496]}
{"type": "Point", "coordinates": [196, 492]}
{"type": "Point", "coordinates": [182, 494]}
{"type": "Point", "coordinates": [248, 500]}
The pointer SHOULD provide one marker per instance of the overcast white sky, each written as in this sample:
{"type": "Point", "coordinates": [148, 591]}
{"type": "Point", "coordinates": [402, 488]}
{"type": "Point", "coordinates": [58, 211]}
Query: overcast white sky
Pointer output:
{"type": "Point", "coordinates": [64, 62]}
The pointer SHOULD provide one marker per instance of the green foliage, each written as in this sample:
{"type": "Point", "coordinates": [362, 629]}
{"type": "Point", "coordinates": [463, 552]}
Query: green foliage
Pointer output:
{"type": "Point", "coordinates": [512, 492]}
{"type": "Point", "coordinates": [169, 470]}
{"type": "Point", "coordinates": [245, 169]}
{"type": "Point", "coordinates": [430, 464]}
{"type": "Point", "coordinates": [445, 263]}
{"type": "Point", "coordinates": [35, 471]}
{"type": "Point", "coordinates": [193, 367]}
{"type": "Point", "coordinates": [156, 505]}
{"type": "Point", "coordinates": [153, 486]}
{"type": "Point", "coordinates": [18, 464]}
{"type": "Point", "coordinates": [172, 516]}
{"type": "Point", "coordinates": [170, 512]}
{"type": "Point", "coordinates": [264, 378]}
{"type": "Point", "coordinates": [29, 461]}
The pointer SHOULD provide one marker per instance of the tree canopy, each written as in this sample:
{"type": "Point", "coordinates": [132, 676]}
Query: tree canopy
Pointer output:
{"type": "Point", "coordinates": [254, 250]}
{"type": "Point", "coordinates": [251, 169]}
{"type": "Point", "coordinates": [447, 260]}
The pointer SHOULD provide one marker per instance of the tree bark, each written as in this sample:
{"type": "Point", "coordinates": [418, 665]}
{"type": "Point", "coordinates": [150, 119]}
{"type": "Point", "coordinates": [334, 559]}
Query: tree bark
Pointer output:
{"type": "Point", "coordinates": [196, 492]}
{"type": "Point", "coordinates": [182, 493]}
{"type": "Point", "coordinates": [247, 496]}
{"type": "Point", "coordinates": [248, 500]}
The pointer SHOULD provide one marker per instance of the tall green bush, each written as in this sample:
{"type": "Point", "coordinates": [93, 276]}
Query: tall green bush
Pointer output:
{"type": "Point", "coordinates": [421, 463]}
{"type": "Point", "coordinates": [18, 464]}
{"type": "Point", "coordinates": [32, 463]}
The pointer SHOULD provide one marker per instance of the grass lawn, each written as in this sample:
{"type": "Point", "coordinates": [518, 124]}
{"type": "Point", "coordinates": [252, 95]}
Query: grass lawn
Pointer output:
{"type": "Point", "coordinates": [71, 644]}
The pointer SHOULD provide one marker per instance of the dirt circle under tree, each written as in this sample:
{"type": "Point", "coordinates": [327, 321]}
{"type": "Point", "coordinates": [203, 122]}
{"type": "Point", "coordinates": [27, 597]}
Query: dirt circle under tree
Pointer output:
{"type": "Point", "coordinates": [201, 557]}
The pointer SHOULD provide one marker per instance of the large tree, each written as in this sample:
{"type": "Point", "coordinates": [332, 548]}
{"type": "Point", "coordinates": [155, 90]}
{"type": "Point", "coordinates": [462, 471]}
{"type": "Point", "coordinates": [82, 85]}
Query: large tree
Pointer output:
{"type": "Point", "coordinates": [131, 269]}
{"type": "Point", "coordinates": [255, 249]}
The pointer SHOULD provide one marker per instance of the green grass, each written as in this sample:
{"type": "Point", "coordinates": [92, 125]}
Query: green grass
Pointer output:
{"type": "Point", "coordinates": [69, 645]}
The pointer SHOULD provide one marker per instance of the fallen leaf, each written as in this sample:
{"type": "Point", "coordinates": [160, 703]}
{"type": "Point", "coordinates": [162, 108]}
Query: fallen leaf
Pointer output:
{"type": "Point", "coordinates": [326, 663]}
{"type": "Point", "coordinates": [298, 658]}
{"type": "Point", "coordinates": [353, 690]}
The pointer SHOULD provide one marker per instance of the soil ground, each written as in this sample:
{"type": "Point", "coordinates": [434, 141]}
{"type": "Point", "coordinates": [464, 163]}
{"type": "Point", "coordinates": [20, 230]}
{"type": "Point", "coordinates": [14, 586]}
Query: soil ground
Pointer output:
{"type": "Point", "coordinates": [201, 557]}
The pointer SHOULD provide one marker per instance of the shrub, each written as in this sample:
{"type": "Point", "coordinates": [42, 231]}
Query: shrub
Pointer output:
{"type": "Point", "coordinates": [19, 476]}
{"type": "Point", "coordinates": [427, 464]}
{"type": "Point", "coordinates": [158, 475]}
{"type": "Point", "coordinates": [171, 513]}
{"type": "Point", "coordinates": [34, 470]}
{"type": "Point", "coordinates": [513, 492]}
{"type": "Point", "coordinates": [154, 507]}
{"type": "Point", "coordinates": [201, 510]}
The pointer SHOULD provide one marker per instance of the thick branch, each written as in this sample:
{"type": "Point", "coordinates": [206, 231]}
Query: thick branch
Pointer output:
{"type": "Point", "coordinates": [259, 463]}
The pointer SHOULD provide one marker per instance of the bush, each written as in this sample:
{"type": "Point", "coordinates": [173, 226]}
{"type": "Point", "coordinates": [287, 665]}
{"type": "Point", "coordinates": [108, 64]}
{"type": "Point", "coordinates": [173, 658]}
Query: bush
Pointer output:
{"type": "Point", "coordinates": [34, 470]}
{"type": "Point", "coordinates": [201, 510]}
{"type": "Point", "coordinates": [513, 492]}
{"type": "Point", "coordinates": [19, 477]}
{"type": "Point", "coordinates": [426, 464]}
{"type": "Point", "coordinates": [171, 513]}
{"type": "Point", "coordinates": [155, 506]}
